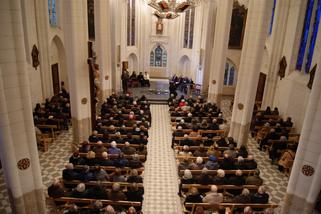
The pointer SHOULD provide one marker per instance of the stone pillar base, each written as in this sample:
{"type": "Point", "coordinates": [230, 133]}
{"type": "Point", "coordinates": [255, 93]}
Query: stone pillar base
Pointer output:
{"type": "Point", "coordinates": [296, 205]}
{"type": "Point", "coordinates": [81, 131]}
{"type": "Point", "coordinates": [215, 98]}
{"type": "Point", "coordinates": [32, 202]}
{"type": "Point", "coordinates": [240, 133]}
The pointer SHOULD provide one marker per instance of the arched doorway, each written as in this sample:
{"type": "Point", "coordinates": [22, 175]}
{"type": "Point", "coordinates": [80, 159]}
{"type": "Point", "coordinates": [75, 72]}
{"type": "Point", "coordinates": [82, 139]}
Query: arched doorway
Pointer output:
{"type": "Point", "coordinates": [58, 65]}
{"type": "Point", "coordinates": [185, 66]}
{"type": "Point", "coordinates": [133, 63]}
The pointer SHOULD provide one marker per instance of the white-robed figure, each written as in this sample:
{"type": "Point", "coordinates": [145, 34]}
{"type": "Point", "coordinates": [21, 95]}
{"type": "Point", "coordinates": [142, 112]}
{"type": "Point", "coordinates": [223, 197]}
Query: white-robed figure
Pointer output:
{"type": "Point", "coordinates": [146, 79]}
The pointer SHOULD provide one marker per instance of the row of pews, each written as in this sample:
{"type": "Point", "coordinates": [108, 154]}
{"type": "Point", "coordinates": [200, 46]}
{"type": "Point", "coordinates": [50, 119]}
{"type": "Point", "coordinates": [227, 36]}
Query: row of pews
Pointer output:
{"type": "Point", "coordinates": [196, 181]}
{"type": "Point", "coordinates": [110, 165]}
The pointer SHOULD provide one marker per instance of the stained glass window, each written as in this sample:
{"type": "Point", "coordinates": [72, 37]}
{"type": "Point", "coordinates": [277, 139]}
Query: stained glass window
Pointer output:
{"type": "Point", "coordinates": [158, 57]}
{"type": "Point", "coordinates": [229, 74]}
{"type": "Point", "coordinates": [305, 34]}
{"type": "Point", "coordinates": [314, 37]}
{"type": "Point", "coordinates": [152, 58]}
{"type": "Point", "coordinates": [189, 28]}
{"type": "Point", "coordinates": [272, 17]}
{"type": "Point", "coordinates": [186, 28]}
{"type": "Point", "coordinates": [91, 19]}
{"type": "Point", "coordinates": [131, 22]}
{"type": "Point", "coordinates": [52, 12]}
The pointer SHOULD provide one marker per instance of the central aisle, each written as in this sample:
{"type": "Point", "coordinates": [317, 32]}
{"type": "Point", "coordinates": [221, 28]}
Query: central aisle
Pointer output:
{"type": "Point", "coordinates": [160, 175]}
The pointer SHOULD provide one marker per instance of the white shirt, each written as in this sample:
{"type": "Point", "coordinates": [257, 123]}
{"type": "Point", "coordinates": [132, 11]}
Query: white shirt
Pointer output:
{"type": "Point", "coordinates": [146, 76]}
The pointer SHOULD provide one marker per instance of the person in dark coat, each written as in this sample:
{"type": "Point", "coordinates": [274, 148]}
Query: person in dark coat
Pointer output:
{"type": "Point", "coordinates": [115, 194]}
{"type": "Point", "coordinates": [68, 173]}
{"type": "Point", "coordinates": [79, 191]}
{"type": "Point", "coordinates": [57, 190]}
{"type": "Point", "coordinates": [134, 193]}
{"type": "Point", "coordinates": [134, 177]}
{"type": "Point", "coordinates": [97, 192]}
{"type": "Point", "coordinates": [193, 196]}
{"type": "Point", "coordinates": [227, 162]}
{"type": "Point", "coordinates": [135, 163]}
{"type": "Point", "coordinates": [261, 197]}
{"type": "Point", "coordinates": [250, 163]}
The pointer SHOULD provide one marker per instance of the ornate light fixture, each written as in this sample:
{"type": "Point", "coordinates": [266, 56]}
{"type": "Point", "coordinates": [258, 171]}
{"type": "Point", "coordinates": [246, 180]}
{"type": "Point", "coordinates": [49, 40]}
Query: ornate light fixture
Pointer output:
{"type": "Point", "coordinates": [170, 9]}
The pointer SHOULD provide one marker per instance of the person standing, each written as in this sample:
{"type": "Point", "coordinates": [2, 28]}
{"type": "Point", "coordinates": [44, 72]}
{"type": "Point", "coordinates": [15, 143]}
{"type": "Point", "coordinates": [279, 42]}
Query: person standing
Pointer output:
{"type": "Point", "coordinates": [125, 78]}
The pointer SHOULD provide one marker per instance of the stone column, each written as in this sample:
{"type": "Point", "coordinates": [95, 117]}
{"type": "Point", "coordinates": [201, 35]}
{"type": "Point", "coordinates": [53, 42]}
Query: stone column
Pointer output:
{"type": "Point", "coordinates": [208, 40]}
{"type": "Point", "coordinates": [221, 38]}
{"type": "Point", "coordinates": [259, 14]}
{"type": "Point", "coordinates": [277, 42]}
{"type": "Point", "coordinates": [103, 43]}
{"type": "Point", "coordinates": [76, 40]}
{"type": "Point", "coordinates": [303, 188]}
{"type": "Point", "coordinates": [18, 147]}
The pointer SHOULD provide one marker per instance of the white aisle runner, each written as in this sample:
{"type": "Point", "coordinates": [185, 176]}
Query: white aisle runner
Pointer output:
{"type": "Point", "coordinates": [160, 175]}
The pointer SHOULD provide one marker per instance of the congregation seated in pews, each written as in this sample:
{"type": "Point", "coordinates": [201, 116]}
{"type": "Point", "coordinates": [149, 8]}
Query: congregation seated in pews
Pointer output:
{"type": "Point", "coordinates": [276, 137]}
{"type": "Point", "coordinates": [51, 118]}
{"type": "Point", "coordinates": [214, 174]}
{"type": "Point", "coordinates": [108, 168]}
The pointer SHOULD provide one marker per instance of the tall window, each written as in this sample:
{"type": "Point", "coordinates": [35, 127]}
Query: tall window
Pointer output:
{"type": "Point", "coordinates": [272, 17]}
{"type": "Point", "coordinates": [189, 28]}
{"type": "Point", "coordinates": [131, 22]}
{"type": "Point", "coordinates": [52, 12]}
{"type": "Point", "coordinates": [305, 34]}
{"type": "Point", "coordinates": [229, 74]}
{"type": "Point", "coordinates": [158, 57]}
{"type": "Point", "coordinates": [91, 19]}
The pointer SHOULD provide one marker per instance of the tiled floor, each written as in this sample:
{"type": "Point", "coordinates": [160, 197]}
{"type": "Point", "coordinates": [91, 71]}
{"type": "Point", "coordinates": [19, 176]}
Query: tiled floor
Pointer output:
{"type": "Point", "coordinates": [160, 177]}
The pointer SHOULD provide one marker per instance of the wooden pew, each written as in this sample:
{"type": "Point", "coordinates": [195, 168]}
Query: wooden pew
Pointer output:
{"type": "Point", "coordinates": [102, 183]}
{"type": "Point", "coordinates": [90, 201]}
{"type": "Point", "coordinates": [114, 156]}
{"type": "Point", "coordinates": [122, 128]}
{"type": "Point", "coordinates": [121, 136]}
{"type": "Point", "coordinates": [119, 145]}
{"type": "Point", "coordinates": [220, 187]}
{"type": "Point", "coordinates": [197, 172]}
{"type": "Point", "coordinates": [110, 168]}
{"type": "Point", "coordinates": [181, 157]}
{"type": "Point", "coordinates": [53, 129]}
{"type": "Point", "coordinates": [193, 206]}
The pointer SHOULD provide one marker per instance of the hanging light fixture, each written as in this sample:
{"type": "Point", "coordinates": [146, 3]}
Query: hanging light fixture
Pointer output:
{"type": "Point", "coordinates": [170, 9]}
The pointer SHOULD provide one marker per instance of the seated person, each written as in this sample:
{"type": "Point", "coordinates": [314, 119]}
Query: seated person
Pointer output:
{"type": "Point", "coordinates": [250, 163]}
{"type": "Point", "coordinates": [94, 137]}
{"type": "Point", "coordinates": [133, 76]}
{"type": "Point", "coordinates": [254, 179]}
{"type": "Point", "coordinates": [244, 197]}
{"type": "Point", "coordinates": [113, 150]}
{"type": "Point", "coordinates": [231, 151]}
{"type": "Point", "coordinates": [242, 152]}
{"type": "Point", "coordinates": [227, 162]}
{"type": "Point", "coordinates": [57, 190]}
{"type": "Point", "coordinates": [198, 165]}
{"type": "Point", "coordinates": [204, 178]}
{"type": "Point", "coordinates": [213, 197]}
{"type": "Point", "coordinates": [140, 78]}
{"type": "Point", "coordinates": [117, 176]}
{"type": "Point", "coordinates": [201, 152]}
{"type": "Point", "coordinates": [193, 196]}
{"type": "Point", "coordinates": [128, 150]}
{"type": "Point", "coordinates": [134, 193]}
{"type": "Point", "coordinates": [146, 78]}
{"type": "Point", "coordinates": [220, 178]}
{"type": "Point", "coordinates": [97, 192]}
{"type": "Point", "coordinates": [240, 163]}
{"type": "Point", "coordinates": [115, 194]}
{"type": "Point", "coordinates": [260, 197]}
{"type": "Point", "coordinates": [105, 161]}
{"type": "Point", "coordinates": [187, 178]}
{"type": "Point", "coordinates": [135, 162]}
{"type": "Point", "coordinates": [79, 191]}
{"type": "Point", "coordinates": [134, 177]}
{"type": "Point", "coordinates": [68, 173]}
{"type": "Point", "coordinates": [212, 163]}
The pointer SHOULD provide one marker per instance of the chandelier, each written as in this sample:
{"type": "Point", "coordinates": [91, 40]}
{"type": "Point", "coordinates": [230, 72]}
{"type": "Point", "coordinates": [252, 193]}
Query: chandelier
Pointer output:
{"type": "Point", "coordinates": [170, 9]}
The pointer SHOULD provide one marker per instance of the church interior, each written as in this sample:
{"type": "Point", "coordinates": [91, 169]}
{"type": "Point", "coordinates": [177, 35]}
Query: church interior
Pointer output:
{"type": "Point", "coordinates": [160, 106]}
